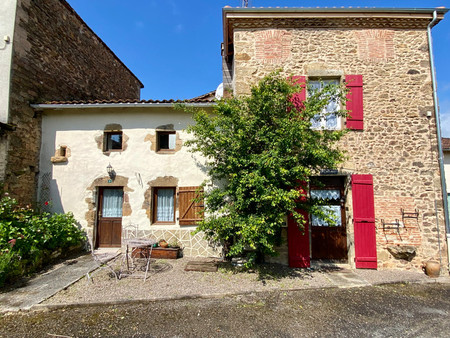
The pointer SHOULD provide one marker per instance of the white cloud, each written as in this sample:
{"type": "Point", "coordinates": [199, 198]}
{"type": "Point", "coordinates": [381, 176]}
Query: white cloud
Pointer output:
{"type": "Point", "coordinates": [175, 10]}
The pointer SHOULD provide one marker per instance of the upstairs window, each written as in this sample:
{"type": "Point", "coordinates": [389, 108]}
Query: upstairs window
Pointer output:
{"type": "Point", "coordinates": [113, 141]}
{"type": "Point", "coordinates": [327, 119]}
{"type": "Point", "coordinates": [166, 141]}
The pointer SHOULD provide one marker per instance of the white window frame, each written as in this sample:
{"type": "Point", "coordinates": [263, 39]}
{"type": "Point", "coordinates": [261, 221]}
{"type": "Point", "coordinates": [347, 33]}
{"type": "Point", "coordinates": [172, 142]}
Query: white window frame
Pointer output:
{"type": "Point", "coordinates": [322, 122]}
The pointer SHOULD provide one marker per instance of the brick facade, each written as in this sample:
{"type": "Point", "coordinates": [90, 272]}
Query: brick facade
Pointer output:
{"type": "Point", "coordinates": [398, 145]}
{"type": "Point", "coordinates": [56, 56]}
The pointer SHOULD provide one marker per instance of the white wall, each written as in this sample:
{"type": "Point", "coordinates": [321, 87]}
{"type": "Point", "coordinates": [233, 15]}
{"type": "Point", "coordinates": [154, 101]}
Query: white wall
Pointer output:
{"type": "Point", "coordinates": [7, 19]}
{"type": "Point", "coordinates": [78, 129]}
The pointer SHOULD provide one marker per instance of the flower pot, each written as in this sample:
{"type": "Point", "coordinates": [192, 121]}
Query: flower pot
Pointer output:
{"type": "Point", "coordinates": [163, 244]}
{"type": "Point", "coordinates": [432, 269]}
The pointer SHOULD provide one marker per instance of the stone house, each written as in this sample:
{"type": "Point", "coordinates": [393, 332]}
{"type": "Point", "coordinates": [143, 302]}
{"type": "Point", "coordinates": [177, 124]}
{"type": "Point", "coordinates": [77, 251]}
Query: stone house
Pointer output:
{"type": "Point", "coordinates": [47, 52]}
{"type": "Point", "coordinates": [123, 161]}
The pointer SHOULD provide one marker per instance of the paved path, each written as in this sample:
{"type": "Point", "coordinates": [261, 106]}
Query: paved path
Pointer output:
{"type": "Point", "coordinates": [46, 285]}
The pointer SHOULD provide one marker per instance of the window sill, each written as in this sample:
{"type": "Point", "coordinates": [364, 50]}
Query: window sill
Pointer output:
{"type": "Point", "coordinates": [166, 151]}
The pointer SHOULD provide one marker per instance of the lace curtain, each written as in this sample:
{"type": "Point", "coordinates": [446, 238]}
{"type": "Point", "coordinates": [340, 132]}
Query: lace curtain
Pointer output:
{"type": "Point", "coordinates": [165, 211]}
{"type": "Point", "coordinates": [172, 139]}
{"type": "Point", "coordinates": [326, 194]}
{"type": "Point", "coordinates": [112, 203]}
{"type": "Point", "coordinates": [326, 119]}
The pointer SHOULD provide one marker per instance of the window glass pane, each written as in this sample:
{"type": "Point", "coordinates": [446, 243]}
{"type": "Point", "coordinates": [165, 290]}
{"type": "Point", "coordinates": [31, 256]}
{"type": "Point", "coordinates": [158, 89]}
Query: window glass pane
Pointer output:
{"type": "Point", "coordinates": [336, 216]}
{"type": "Point", "coordinates": [163, 141]}
{"type": "Point", "coordinates": [114, 141]}
{"type": "Point", "coordinates": [165, 205]}
{"type": "Point", "coordinates": [112, 203]}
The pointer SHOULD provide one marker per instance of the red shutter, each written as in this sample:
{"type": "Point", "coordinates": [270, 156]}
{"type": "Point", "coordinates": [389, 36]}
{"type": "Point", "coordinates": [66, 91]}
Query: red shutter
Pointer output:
{"type": "Point", "coordinates": [298, 98]}
{"type": "Point", "coordinates": [190, 212]}
{"type": "Point", "coordinates": [364, 222]}
{"type": "Point", "coordinates": [298, 240]}
{"type": "Point", "coordinates": [355, 101]}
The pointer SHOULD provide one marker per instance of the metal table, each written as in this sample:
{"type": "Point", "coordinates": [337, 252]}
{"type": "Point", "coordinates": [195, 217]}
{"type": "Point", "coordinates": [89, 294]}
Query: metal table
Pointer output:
{"type": "Point", "coordinates": [145, 246]}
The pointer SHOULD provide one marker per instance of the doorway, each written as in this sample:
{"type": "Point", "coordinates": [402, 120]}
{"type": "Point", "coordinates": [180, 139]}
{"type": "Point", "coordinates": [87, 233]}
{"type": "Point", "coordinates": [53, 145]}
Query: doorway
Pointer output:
{"type": "Point", "coordinates": [329, 242]}
{"type": "Point", "coordinates": [109, 217]}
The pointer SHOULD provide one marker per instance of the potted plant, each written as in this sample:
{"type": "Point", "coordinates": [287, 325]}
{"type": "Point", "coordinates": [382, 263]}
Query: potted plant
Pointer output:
{"type": "Point", "coordinates": [164, 250]}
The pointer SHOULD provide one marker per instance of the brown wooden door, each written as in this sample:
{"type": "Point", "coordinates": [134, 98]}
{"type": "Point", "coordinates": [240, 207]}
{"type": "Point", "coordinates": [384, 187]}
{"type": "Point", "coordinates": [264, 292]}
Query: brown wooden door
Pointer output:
{"type": "Point", "coordinates": [109, 219]}
{"type": "Point", "coordinates": [329, 242]}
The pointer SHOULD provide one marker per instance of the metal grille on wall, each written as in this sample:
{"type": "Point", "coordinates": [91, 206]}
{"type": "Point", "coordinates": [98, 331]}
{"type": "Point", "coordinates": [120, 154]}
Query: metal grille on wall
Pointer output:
{"type": "Point", "coordinates": [44, 196]}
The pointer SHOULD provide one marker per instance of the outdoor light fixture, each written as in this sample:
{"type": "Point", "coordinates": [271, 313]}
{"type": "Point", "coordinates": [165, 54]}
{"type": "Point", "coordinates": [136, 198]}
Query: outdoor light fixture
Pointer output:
{"type": "Point", "coordinates": [110, 170]}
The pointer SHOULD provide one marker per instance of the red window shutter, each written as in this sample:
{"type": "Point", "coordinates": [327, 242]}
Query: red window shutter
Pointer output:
{"type": "Point", "coordinates": [298, 98]}
{"type": "Point", "coordinates": [298, 240]}
{"type": "Point", "coordinates": [364, 222]}
{"type": "Point", "coordinates": [355, 101]}
{"type": "Point", "coordinates": [190, 211]}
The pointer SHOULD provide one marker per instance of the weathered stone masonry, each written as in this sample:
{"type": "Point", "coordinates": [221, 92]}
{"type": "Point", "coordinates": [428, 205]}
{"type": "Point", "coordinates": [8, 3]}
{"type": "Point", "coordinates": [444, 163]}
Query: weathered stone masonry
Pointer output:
{"type": "Point", "coordinates": [398, 145]}
{"type": "Point", "coordinates": [56, 56]}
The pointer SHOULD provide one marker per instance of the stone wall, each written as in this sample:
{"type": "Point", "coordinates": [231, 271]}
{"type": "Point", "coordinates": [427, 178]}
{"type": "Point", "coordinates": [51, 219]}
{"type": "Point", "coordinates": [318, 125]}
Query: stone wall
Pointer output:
{"type": "Point", "coordinates": [398, 145]}
{"type": "Point", "coordinates": [56, 56]}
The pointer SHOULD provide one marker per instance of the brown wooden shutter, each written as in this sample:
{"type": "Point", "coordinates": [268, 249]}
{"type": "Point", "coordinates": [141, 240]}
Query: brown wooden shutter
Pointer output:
{"type": "Point", "coordinates": [190, 212]}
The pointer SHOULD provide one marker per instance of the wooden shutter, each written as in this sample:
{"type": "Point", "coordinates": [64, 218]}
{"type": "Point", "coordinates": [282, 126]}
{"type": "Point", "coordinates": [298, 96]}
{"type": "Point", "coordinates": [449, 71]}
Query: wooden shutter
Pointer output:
{"type": "Point", "coordinates": [190, 212]}
{"type": "Point", "coordinates": [298, 241]}
{"type": "Point", "coordinates": [355, 102]}
{"type": "Point", "coordinates": [364, 222]}
{"type": "Point", "coordinates": [298, 98]}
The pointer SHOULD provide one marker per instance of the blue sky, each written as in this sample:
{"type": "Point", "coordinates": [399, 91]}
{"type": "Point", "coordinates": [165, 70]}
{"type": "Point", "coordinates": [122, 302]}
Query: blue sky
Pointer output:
{"type": "Point", "coordinates": [173, 46]}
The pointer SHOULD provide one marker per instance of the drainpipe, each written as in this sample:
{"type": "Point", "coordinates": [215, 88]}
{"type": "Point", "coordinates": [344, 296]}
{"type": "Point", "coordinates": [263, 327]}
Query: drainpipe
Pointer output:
{"type": "Point", "coordinates": [438, 127]}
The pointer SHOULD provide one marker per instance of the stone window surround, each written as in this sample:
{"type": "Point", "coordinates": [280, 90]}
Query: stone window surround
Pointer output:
{"type": "Point", "coordinates": [101, 139]}
{"type": "Point", "coordinates": [62, 153]}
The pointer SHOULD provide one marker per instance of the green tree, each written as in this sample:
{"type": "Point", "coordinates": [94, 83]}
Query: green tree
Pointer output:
{"type": "Point", "coordinates": [259, 149]}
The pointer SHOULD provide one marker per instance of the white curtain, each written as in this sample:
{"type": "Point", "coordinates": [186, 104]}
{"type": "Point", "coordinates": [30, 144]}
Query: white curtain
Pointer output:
{"type": "Point", "coordinates": [165, 211]}
{"type": "Point", "coordinates": [172, 139]}
{"type": "Point", "coordinates": [112, 203]}
{"type": "Point", "coordinates": [326, 194]}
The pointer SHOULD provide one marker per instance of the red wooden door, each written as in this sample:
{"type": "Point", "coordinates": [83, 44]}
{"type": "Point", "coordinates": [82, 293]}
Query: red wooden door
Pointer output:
{"type": "Point", "coordinates": [364, 222]}
{"type": "Point", "coordinates": [109, 218]}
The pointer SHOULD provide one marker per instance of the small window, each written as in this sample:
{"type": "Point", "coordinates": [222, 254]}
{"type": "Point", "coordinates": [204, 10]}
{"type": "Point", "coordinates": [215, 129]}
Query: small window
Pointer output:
{"type": "Point", "coordinates": [113, 140]}
{"type": "Point", "coordinates": [166, 140]}
{"type": "Point", "coordinates": [63, 151]}
{"type": "Point", "coordinates": [326, 119]}
{"type": "Point", "coordinates": [164, 205]}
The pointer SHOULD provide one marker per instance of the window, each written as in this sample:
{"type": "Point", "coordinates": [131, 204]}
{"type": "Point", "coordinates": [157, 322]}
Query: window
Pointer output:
{"type": "Point", "coordinates": [113, 141]}
{"type": "Point", "coordinates": [163, 205]}
{"type": "Point", "coordinates": [63, 151]}
{"type": "Point", "coordinates": [166, 140]}
{"type": "Point", "coordinates": [329, 191]}
{"type": "Point", "coordinates": [326, 119]}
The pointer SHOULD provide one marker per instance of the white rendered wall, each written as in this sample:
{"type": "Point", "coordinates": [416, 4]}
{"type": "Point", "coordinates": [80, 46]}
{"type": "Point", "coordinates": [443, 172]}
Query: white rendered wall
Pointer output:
{"type": "Point", "coordinates": [447, 170]}
{"type": "Point", "coordinates": [78, 129]}
{"type": "Point", "coordinates": [7, 19]}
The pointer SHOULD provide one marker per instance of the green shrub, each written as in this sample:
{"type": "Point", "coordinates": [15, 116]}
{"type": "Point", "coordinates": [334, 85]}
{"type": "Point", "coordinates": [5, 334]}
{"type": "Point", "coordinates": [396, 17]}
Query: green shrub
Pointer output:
{"type": "Point", "coordinates": [27, 235]}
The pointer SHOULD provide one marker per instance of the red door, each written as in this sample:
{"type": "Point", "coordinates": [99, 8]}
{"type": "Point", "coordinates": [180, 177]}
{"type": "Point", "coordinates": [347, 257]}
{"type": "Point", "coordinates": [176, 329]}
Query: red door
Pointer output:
{"type": "Point", "coordinates": [364, 222]}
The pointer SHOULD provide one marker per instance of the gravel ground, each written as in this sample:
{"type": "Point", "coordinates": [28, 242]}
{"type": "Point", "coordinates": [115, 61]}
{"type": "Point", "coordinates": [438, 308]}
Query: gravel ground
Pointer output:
{"type": "Point", "coordinates": [167, 278]}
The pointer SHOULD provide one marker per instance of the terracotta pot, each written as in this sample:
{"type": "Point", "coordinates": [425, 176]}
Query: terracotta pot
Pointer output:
{"type": "Point", "coordinates": [163, 244]}
{"type": "Point", "coordinates": [432, 269]}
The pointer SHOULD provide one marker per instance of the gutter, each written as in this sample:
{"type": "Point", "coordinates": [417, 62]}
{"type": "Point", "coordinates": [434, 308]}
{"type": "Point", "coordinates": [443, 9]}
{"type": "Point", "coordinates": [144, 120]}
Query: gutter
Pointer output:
{"type": "Point", "coordinates": [439, 138]}
{"type": "Point", "coordinates": [59, 106]}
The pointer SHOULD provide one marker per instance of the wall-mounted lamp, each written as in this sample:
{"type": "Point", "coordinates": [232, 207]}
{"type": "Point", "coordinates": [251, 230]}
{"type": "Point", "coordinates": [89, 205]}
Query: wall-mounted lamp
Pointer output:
{"type": "Point", "coordinates": [110, 171]}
